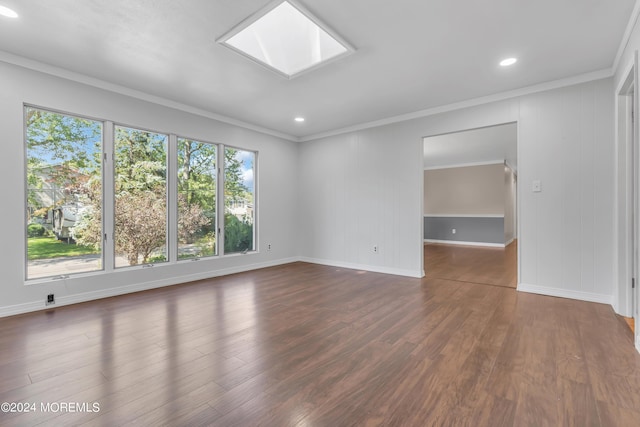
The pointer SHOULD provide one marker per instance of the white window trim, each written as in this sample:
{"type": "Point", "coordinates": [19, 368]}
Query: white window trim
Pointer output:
{"type": "Point", "coordinates": [108, 195]}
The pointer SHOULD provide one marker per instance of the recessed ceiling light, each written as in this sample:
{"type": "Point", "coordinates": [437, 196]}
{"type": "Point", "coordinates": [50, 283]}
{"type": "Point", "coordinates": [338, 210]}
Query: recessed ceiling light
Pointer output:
{"type": "Point", "coordinates": [285, 38]}
{"type": "Point", "coordinates": [299, 119]}
{"type": "Point", "coordinates": [508, 61]}
{"type": "Point", "coordinates": [9, 13]}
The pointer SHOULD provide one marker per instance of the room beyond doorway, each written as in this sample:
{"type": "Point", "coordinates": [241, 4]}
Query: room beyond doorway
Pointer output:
{"type": "Point", "coordinates": [470, 209]}
{"type": "Point", "coordinates": [480, 265]}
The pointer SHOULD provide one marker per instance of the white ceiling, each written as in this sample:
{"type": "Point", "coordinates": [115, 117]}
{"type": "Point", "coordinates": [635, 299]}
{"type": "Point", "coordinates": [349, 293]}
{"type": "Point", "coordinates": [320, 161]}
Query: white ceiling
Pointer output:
{"type": "Point", "coordinates": [484, 145]}
{"type": "Point", "coordinates": [410, 55]}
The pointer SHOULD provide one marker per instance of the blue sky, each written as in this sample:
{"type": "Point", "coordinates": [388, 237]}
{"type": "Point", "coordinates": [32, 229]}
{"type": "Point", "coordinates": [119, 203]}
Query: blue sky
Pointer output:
{"type": "Point", "coordinates": [247, 159]}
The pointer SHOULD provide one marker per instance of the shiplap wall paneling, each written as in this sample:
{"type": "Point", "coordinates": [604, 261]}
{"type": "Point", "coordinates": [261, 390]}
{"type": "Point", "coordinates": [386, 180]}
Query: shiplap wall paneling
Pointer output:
{"type": "Point", "coordinates": [366, 195]}
{"type": "Point", "coordinates": [603, 120]}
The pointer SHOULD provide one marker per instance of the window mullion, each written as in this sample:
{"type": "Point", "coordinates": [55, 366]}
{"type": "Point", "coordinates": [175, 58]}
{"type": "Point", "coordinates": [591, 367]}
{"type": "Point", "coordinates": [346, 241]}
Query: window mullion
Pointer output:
{"type": "Point", "coordinates": [108, 196]}
{"type": "Point", "coordinates": [220, 200]}
{"type": "Point", "coordinates": [172, 199]}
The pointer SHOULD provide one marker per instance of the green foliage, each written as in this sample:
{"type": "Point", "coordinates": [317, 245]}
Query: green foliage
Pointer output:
{"type": "Point", "coordinates": [140, 161]}
{"type": "Point", "coordinates": [157, 258]}
{"type": "Point", "coordinates": [57, 138]}
{"type": "Point", "coordinates": [50, 247]}
{"type": "Point", "coordinates": [61, 152]}
{"type": "Point", "coordinates": [197, 171]}
{"type": "Point", "coordinates": [234, 189]}
{"type": "Point", "coordinates": [141, 206]}
{"type": "Point", "coordinates": [238, 235]}
{"type": "Point", "coordinates": [238, 232]}
{"type": "Point", "coordinates": [35, 230]}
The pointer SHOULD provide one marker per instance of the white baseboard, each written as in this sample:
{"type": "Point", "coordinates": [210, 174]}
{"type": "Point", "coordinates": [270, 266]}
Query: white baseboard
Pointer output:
{"type": "Point", "coordinates": [12, 310]}
{"type": "Point", "coordinates": [616, 308]}
{"type": "Point", "coordinates": [365, 267]}
{"type": "Point", "coordinates": [457, 242]}
{"type": "Point", "coordinates": [111, 292]}
{"type": "Point", "coordinates": [565, 293]}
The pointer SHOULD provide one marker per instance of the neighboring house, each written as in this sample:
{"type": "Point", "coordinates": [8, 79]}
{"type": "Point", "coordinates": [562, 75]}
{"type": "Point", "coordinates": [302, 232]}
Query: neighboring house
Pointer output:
{"type": "Point", "coordinates": [55, 200]}
{"type": "Point", "coordinates": [241, 209]}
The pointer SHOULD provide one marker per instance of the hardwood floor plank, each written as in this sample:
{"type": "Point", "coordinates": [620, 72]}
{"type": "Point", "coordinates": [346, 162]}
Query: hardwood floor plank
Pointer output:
{"type": "Point", "coordinates": [536, 409]}
{"type": "Point", "coordinates": [362, 390]}
{"type": "Point", "coordinates": [507, 373]}
{"type": "Point", "coordinates": [491, 266]}
{"type": "Point", "coordinates": [10, 381]}
{"type": "Point", "coordinates": [576, 404]}
{"type": "Point", "coordinates": [571, 361]}
{"type": "Point", "coordinates": [612, 415]}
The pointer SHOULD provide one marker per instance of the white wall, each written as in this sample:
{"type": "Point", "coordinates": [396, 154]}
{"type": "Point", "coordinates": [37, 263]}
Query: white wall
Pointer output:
{"type": "Point", "coordinates": [364, 187]}
{"type": "Point", "coordinates": [276, 182]}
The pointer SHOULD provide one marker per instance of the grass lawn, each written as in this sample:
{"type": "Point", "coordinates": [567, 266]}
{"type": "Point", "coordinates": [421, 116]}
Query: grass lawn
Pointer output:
{"type": "Point", "coordinates": [50, 247]}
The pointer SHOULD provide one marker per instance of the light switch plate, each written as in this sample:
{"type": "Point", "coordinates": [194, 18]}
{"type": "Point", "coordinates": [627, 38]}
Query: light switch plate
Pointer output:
{"type": "Point", "coordinates": [536, 186]}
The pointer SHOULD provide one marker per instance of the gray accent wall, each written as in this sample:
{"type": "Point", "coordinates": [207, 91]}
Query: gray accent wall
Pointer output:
{"type": "Point", "coordinates": [468, 229]}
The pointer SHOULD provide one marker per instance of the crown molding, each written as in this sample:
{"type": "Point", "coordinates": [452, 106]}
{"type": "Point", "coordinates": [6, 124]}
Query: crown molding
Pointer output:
{"type": "Point", "coordinates": [633, 19]}
{"type": "Point", "coordinates": [63, 73]}
{"type": "Point", "coordinates": [542, 87]}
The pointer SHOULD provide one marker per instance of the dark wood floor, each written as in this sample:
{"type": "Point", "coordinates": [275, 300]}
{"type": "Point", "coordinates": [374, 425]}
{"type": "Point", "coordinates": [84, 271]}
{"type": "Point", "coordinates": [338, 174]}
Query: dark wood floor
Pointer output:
{"type": "Point", "coordinates": [489, 266]}
{"type": "Point", "coordinates": [307, 345]}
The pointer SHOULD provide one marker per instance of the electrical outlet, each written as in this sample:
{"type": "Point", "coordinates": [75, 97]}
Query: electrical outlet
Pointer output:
{"type": "Point", "coordinates": [453, 231]}
{"type": "Point", "coordinates": [375, 249]}
{"type": "Point", "coordinates": [269, 247]}
{"type": "Point", "coordinates": [51, 299]}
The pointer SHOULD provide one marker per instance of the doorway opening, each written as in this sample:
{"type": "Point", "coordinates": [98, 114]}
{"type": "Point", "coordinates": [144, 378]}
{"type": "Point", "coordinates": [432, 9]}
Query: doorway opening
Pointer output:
{"type": "Point", "coordinates": [470, 206]}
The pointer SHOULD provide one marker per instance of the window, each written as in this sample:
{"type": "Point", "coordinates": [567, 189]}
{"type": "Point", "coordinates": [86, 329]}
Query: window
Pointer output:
{"type": "Point", "coordinates": [102, 197]}
{"type": "Point", "coordinates": [140, 197]}
{"type": "Point", "coordinates": [238, 201]}
{"type": "Point", "coordinates": [64, 194]}
{"type": "Point", "coordinates": [197, 172]}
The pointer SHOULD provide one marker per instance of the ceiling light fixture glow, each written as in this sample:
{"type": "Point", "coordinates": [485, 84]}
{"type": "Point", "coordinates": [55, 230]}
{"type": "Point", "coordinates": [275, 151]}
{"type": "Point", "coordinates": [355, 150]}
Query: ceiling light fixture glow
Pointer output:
{"type": "Point", "coordinates": [285, 38]}
{"type": "Point", "coordinates": [9, 13]}
{"type": "Point", "coordinates": [299, 119]}
{"type": "Point", "coordinates": [508, 61]}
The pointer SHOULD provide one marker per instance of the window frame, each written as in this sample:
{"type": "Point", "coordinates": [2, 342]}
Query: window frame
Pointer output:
{"type": "Point", "coordinates": [176, 246]}
{"type": "Point", "coordinates": [108, 196]}
{"type": "Point", "coordinates": [168, 180]}
{"type": "Point", "coordinates": [25, 174]}
{"type": "Point", "coordinates": [222, 175]}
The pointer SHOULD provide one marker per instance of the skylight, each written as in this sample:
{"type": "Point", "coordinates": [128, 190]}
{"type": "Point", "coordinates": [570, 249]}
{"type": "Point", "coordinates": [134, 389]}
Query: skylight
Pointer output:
{"type": "Point", "coordinates": [9, 13]}
{"type": "Point", "coordinates": [285, 38]}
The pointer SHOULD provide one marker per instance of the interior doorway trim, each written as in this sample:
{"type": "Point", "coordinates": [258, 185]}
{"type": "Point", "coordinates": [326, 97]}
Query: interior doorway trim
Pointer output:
{"type": "Point", "coordinates": [627, 248]}
{"type": "Point", "coordinates": [625, 194]}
